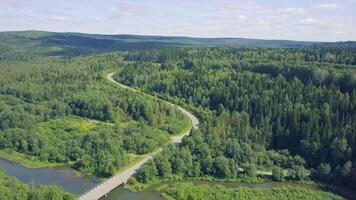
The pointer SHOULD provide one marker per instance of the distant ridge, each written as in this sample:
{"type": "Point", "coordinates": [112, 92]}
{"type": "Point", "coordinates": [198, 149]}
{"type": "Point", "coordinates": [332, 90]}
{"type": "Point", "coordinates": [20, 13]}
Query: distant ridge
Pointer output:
{"type": "Point", "coordinates": [72, 44]}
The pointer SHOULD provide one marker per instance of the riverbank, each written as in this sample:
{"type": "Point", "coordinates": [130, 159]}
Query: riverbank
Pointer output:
{"type": "Point", "coordinates": [27, 161]}
{"type": "Point", "coordinates": [154, 192]}
{"type": "Point", "coordinates": [260, 181]}
{"type": "Point", "coordinates": [135, 186]}
{"type": "Point", "coordinates": [185, 191]}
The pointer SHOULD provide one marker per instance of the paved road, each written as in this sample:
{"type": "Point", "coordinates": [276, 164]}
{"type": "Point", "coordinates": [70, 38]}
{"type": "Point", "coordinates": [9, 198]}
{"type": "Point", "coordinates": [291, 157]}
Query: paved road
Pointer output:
{"type": "Point", "coordinates": [110, 184]}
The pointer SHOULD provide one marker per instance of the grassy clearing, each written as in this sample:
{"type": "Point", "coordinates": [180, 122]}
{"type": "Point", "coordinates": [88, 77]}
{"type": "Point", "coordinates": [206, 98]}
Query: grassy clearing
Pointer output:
{"type": "Point", "coordinates": [69, 125]}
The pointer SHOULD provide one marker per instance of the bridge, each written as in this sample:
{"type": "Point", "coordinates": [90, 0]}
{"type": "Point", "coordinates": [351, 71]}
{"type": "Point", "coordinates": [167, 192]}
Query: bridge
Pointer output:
{"type": "Point", "coordinates": [104, 188]}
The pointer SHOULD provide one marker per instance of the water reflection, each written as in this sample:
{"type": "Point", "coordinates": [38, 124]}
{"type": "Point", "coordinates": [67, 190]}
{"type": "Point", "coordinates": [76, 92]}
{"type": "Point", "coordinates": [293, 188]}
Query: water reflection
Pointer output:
{"type": "Point", "coordinates": [62, 177]}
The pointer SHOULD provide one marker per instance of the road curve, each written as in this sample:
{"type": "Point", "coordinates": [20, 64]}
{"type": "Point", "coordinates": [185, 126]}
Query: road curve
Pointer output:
{"type": "Point", "coordinates": [175, 139]}
{"type": "Point", "coordinates": [111, 183]}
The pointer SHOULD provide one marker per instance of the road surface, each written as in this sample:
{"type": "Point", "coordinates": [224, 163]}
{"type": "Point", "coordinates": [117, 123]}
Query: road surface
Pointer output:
{"type": "Point", "coordinates": [111, 183]}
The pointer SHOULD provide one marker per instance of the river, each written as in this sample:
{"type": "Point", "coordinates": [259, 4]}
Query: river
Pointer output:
{"type": "Point", "coordinates": [63, 177]}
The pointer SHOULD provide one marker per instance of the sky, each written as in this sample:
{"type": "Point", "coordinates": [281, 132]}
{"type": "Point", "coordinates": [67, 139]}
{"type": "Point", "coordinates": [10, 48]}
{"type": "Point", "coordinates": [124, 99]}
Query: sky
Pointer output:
{"type": "Point", "coordinates": [307, 20]}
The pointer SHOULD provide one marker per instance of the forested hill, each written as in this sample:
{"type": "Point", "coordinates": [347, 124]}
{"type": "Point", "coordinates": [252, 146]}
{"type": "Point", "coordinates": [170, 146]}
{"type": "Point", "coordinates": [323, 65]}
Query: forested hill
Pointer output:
{"type": "Point", "coordinates": [27, 44]}
{"type": "Point", "coordinates": [259, 108]}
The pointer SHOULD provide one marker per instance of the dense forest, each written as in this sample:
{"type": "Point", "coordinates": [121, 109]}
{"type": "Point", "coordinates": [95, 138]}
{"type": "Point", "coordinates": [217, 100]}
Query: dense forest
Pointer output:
{"type": "Point", "coordinates": [62, 111]}
{"type": "Point", "coordinates": [262, 108]}
{"type": "Point", "coordinates": [285, 112]}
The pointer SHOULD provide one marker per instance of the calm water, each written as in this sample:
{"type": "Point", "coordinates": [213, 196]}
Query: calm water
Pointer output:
{"type": "Point", "coordinates": [63, 177]}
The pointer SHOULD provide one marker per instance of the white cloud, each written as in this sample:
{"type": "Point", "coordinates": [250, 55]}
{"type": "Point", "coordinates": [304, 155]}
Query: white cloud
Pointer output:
{"type": "Point", "coordinates": [243, 6]}
{"type": "Point", "coordinates": [278, 18]}
{"type": "Point", "coordinates": [57, 18]}
{"type": "Point", "coordinates": [241, 17]}
{"type": "Point", "coordinates": [122, 13]}
{"type": "Point", "coordinates": [321, 24]}
{"type": "Point", "coordinates": [293, 11]}
{"type": "Point", "coordinates": [309, 21]}
{"type": "Point", "coordinates": [257, 23]}
{"type": "Point", "coordinates": [285, 14]}
{"type": "Point", "coordinates": [127, 10]}
{"type": "Point", "coordinates": [326, 6]}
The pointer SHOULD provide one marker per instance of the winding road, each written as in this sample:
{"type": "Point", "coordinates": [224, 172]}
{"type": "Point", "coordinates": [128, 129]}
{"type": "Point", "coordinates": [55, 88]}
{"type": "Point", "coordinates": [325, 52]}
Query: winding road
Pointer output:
{"type": "Point", "coordinates": [111, 183]}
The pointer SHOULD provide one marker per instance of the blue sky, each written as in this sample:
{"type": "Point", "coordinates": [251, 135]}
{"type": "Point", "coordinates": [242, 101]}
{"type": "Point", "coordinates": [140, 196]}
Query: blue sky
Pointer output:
{"type": "Point", "coordinates": [266, 19]}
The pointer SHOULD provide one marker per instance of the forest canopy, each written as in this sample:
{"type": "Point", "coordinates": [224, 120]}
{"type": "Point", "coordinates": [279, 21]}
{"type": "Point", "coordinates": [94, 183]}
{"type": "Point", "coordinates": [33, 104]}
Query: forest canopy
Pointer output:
{"type": "Point", "coordinates": [61, 110]}
{"type": "Point", "coordinates": [292, 109]}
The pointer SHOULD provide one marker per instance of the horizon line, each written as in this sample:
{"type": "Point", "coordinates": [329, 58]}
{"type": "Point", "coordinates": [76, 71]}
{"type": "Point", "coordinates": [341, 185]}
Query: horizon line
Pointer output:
{"type": "Point", "coordinates": [176, 36]}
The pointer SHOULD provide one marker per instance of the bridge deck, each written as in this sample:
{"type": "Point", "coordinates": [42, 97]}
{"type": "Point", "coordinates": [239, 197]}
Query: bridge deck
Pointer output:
{"type": "Point", "coordinates": [110, 184]}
